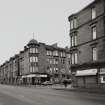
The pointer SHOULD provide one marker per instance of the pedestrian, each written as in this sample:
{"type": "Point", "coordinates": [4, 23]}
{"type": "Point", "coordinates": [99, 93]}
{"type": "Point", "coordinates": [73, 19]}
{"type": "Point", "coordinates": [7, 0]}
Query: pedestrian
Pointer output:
{"type": "Point", "coordinates": [65, 83]}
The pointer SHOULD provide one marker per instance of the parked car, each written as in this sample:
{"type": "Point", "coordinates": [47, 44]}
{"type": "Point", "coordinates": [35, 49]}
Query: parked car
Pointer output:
{"type": "Point", "coordinates": [46, 83]}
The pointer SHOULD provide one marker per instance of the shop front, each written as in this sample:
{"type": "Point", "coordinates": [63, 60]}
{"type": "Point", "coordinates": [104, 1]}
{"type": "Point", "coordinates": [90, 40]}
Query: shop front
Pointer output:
{"type": "Point", "coordinates": [102, 77]}
{"type": "Point", "coordinates": [34, 79]}
{"type": "Point", "coordinates": [86, 78]}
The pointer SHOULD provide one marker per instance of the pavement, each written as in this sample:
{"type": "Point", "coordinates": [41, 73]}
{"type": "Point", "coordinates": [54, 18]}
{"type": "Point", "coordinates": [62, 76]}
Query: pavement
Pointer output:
{"type": "Point", "coordinates": [16, 95]}
{"type": "Point", "coordinates": [68, 88]}
{"type": "Point", "coordinates": [88, 90]}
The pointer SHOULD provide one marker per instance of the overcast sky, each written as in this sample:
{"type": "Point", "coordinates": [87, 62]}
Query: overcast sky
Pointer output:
{"type": "Point", "coordinates": [48, 19]}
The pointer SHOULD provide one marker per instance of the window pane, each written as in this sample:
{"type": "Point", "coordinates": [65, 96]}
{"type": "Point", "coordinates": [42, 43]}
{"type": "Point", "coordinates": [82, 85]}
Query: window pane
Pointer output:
{"type": "Point", "coordinates": [36, 69]}
{"type": "Point", "coordinates": [47, 53]}
{"type": "Point", "coordinates": [93, 12]}
{"type": "Point", "coordinates": [75, 58]}
{"type": "Point", "coordinates": [75, 39]}
{"type": "Point", "coordinates": [72, 58]}
{"type": "Point", "coordinates": [94, 54]}
{"type": "Point", "coordinates": [31, 59]}
{"type": "Point", "coordinates": [72, 41]}
{"type": "Point", "coordinates": [34, 59]}
{"type": "Point", "coordinates": [50, 70]}
{"type": "Point", "coordinates": [36, 50]}
{"type": "Point", "coordinates": [94, 32]}
{"type": "Point", "coordinates": [68, 55]}
{"type": "Point", "coordinates": [31, 50]}
{"type": "Point", "coordinates": [64, 54]}
{"type": "Point", "coordinates": [56, 61]}
{"type": "Point", "coordinates": [50, 61]}
{"type": "Point", "coordinates": [75, 23]}
{"type": "Point", "coordinates": [71, 24]}
{"type": "Point", "coordinates": [50, 53]}
{"type": "Point", "coordinates": [55, 53]}
{"type": "Point", "coordinates": [31, 69]}
{"type": "Point", "coordinates": [61, 54]}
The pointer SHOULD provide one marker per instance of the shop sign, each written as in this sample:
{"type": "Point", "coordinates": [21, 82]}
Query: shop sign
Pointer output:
{"type": "Point", "coordinates": [86, 72]}
{"type": "Point", "coordinates": [102, 71]}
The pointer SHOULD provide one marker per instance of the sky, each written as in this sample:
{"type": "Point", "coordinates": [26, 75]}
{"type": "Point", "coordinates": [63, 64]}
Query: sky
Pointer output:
{"type": "Point", "coordinates": [48, 19]}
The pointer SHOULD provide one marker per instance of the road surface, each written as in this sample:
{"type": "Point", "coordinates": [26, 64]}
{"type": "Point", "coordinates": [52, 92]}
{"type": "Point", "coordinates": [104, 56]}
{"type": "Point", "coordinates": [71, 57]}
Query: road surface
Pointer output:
{"type": "Point", "coordinates": [12, 95]}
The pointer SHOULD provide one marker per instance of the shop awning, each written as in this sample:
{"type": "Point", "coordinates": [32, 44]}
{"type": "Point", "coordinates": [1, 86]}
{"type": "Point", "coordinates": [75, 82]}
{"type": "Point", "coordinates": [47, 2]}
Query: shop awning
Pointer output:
{"type": "Point", "coordinates": [86, 72]}
{"type": "Point", "coordinates": [43, 75]}
{"type": "Point", "coordinates": [24, 76]}
{"type": "Point", "coordinates": [34, 75]}
{"type": "Point", "coordinates": [31, 75]}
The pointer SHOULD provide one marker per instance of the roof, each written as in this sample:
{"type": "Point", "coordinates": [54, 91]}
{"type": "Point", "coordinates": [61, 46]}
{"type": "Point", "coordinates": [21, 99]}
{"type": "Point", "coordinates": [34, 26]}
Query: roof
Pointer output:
{"type": "Point", "coordinates": [74, 15]}
{"type": "Point", "coordinates": [32, 41]}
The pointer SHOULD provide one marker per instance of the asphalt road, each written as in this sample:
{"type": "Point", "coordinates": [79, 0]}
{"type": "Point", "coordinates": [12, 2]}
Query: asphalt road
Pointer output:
{"type": "Point", "coordinates": [12, 95]}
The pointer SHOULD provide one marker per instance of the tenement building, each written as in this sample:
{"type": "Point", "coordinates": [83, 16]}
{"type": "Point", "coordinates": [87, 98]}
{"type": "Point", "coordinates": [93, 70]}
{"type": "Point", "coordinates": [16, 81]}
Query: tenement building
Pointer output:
{"type": "Point", "coordinates": [87, 37]}
{"type": "Point", "coordinates": [37, 63]}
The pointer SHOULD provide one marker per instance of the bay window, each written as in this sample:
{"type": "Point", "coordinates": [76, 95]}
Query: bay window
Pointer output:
{"type": "Point", "coordinates": [74, 58]}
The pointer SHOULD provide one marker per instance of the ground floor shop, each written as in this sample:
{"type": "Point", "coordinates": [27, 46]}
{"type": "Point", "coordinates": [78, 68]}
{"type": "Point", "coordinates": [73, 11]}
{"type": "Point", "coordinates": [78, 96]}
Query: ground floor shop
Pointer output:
{"type": "Point", "coordinates": [87, 78]}
{"type": "Point", "coordinates": [89, 75]}
{"type": "Point", "coordinates": [33, 79]}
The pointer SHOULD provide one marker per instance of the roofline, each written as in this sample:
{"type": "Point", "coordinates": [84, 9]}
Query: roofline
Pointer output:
{"type": "Point", "coordinates": [72, 15]}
